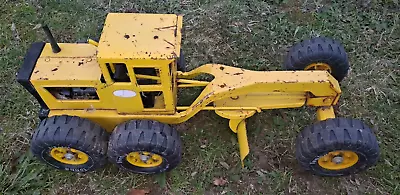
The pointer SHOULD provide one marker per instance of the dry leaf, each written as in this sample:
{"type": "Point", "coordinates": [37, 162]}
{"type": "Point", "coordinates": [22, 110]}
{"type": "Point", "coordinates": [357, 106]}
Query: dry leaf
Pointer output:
{"type": "Point", "coordinates": [224, 164]}
{"type": "Point", "coordinates": [219, 181]}
{"type": "Point", "coordinates": [138, 192]}
{"type": "Point", "coordinates": [37, 26]}
{"type": "Point", "coordinates": [193, 174]}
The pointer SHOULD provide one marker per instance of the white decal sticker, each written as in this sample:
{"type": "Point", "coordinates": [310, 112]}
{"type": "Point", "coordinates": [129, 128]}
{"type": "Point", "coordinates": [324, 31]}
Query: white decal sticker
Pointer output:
{"type": "Point", "coordinates": [124, 93]}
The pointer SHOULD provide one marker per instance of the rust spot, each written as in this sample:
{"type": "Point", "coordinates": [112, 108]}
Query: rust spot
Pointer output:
{"type": "Point", "coordinates": [36, 72]}
{"type": "Point", "coordinates": [221, 68]}
{"type": "Point", "coordinates": [276, 91]}
{"type": "Point", "coordinates": [54, 69]}
{"type": "Point", "coordinates": [155, 37]}
{"type": "Point", "coordinates": [80, 63]}
{"type": "Point", "coordinates": [291, 81]}
{"type": "Point", "coordinates": [133, 35]}
{"type": "Point", "coordinates": [223, 85]}
{"type": "Point", "coordinates": [167, 47]}
{"type": "Point", "coordinates": [238, 73]}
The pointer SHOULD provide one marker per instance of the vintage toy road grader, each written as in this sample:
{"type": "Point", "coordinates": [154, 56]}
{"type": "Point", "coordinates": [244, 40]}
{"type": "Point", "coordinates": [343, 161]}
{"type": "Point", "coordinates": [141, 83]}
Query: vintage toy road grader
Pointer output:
{"type": "Point", "coordinates": [113, 99]}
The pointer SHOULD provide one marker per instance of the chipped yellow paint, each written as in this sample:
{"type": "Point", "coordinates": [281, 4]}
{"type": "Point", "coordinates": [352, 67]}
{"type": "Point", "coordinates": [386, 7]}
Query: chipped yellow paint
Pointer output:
{"type": "Point", "coordinates": [74, 62]}
{"type": "Point", "coordinates": [277, 87]}
{"type": "Point", "coordinates": [140, 36]}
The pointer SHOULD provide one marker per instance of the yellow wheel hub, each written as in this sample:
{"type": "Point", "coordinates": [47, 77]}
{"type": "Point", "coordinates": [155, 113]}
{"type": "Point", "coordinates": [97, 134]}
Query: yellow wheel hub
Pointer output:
{"type": "Point", "coordinates": [319, 66]}
{"type": "Point", "coordinates": [69, 156]}
{"type": "Point", "coordinates": [337, 160]}
{"type": "Point", "coordinates": [144, 159]}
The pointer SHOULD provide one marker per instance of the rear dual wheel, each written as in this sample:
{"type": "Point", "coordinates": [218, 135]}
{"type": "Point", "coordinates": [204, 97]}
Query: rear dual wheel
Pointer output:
{"type": "Point", "coordinates": [75, 144]}
{"type": "Point", "coordinates": [146, 147]}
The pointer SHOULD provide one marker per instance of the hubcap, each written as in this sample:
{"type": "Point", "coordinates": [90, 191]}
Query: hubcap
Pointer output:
{"type": "Point", "coordinates": [319, 66]}
{"type": "Point", "coordinates": [69, 156]}
{"type": "Point", "coordinates": [144, 159]}
{"type": "Point", "coordinates": [338, 159]}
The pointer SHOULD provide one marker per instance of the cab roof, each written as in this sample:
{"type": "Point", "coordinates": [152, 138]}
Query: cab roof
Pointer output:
{"type": "Point", "coordinates": [140, 36]}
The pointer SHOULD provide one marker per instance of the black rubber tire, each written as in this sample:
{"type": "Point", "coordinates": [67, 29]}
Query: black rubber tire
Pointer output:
{"type": "Point", "coordinates": [181, 62]}
{"type": "Point", "coordinates": [323, 137]}
{"type": "Point", "coordinates": [149, 136]}
{"type": "Point", "coordinates": [319, 50]}
{"type": "Point", "coordinates": [72, 132]}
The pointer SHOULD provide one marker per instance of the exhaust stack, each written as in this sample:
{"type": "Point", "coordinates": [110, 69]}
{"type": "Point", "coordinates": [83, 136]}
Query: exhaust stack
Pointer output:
{"type": "Point", "coordinates": [53, 43]}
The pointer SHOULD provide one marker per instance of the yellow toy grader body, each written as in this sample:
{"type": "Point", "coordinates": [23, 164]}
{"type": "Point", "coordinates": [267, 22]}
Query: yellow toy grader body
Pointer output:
{"type": "Point", "coordinates": [127, 85]}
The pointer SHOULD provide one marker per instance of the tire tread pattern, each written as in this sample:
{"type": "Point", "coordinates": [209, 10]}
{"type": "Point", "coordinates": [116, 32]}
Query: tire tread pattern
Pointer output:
{"type": "Point", "coordinates": [319, 50]}
{"type": "Point", "coordinates": [336, 134]}
{"type": "Point", "coordinates": [145, 135]}
{"type": "Point", "coordinates": [71, 131]}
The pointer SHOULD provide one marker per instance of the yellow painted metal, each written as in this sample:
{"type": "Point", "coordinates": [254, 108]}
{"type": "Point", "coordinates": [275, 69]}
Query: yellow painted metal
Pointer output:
{"type": "Point", "coordinates": [296, 88]}
{"type": "Point", "coordinates": [76, 62]}
{"type": "Point", "coordinates": [242, 139]}
{"type": "Point", "coordinates": [140, 76]}
{"type": "Point", "coordinates": [348, 159]}
{"type": "Point", "coordinates": [266, 100]}
{"type": "Point", "coordinates": [235, 114]}
{"type": "Point", "coordinates": [190, 85]}
{"type": "Point", "coordinates": [318, 66]}
{"type": "Point", "coordinates": [221, 108]}
{"type": "Point", "coordinates": [78, 158]}
{"type": "Point", "coordinates": [140, 36]}
{"type": "Point", "coordinates": [93, 42]}
{"type": "Point", "coordinates": [152, 160]}
{"type": "Point", "coordinates": [203, 83]}
{"type": "Point", "coordinates": [324, 113]}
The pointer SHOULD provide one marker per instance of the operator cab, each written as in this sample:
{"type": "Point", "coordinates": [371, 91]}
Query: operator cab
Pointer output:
{"type": "Point", "coordinates": [138, 53]}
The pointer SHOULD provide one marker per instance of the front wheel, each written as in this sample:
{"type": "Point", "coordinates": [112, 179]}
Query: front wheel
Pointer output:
{"type": "Point", "coordinates": [146, 147]}
{"type": "Point", "coordinates": [337, 147]}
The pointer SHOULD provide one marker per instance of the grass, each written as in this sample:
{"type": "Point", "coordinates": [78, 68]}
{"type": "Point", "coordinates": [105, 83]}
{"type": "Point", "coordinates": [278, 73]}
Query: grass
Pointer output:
{"type": "Point", "coordinates": [252, 34]}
